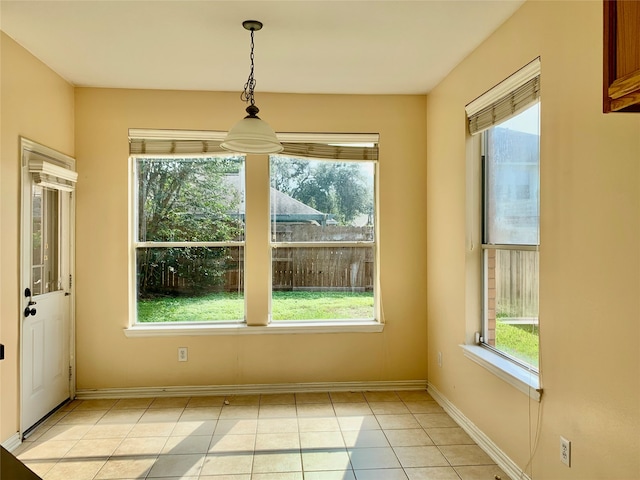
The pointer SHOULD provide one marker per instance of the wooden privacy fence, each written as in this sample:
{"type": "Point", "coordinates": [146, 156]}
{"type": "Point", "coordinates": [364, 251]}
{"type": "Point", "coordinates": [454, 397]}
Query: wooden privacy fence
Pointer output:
{"type": "Point", "coordinates": [319, 268]}
{"type": "Point", "coordinates": [517, 283]}
{"type": "Point", "coordinates": [512, 290]}
{"type": "Point", "coordinates": [175, 274]}
{"type": "Point", "coordinates": [322, 268]}
{"type": "Point", "coordinates": [327, 268]}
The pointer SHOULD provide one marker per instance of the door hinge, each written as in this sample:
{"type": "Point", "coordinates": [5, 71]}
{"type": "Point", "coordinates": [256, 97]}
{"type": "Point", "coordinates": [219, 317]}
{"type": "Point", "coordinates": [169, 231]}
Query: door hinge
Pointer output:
{"type": "Point", "coordinates": [70, 281]}
{"type": "Point", "coordinates": [70, 372]}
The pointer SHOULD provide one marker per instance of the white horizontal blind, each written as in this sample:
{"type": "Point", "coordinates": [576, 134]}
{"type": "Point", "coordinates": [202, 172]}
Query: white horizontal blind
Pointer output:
{"type": "Point", "coordinates": [333, 152]}
{"type": "Point", "coordinates": [310, 145]}
{"type": "Point", "coordinates": [50, 175]}
{"type": "Point", "coordinates": [142, 146]}
{"type": "Point", "coordinates": [174, 142]}
{"type": "Point", "coordinates": [506, 99]}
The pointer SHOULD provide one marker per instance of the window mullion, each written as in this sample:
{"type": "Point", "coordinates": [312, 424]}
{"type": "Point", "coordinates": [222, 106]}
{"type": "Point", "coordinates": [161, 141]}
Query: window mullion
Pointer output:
{"type": "Point", "coordinates": [257, 252]}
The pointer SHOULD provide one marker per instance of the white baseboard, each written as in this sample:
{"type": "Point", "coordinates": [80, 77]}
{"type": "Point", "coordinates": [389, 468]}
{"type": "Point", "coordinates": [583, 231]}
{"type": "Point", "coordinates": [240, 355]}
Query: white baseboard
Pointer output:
{"type": "Point", "coordinates": [256, 389]}
{"type": "Point", "coordinates": [13, 442]}
{"type": "Point", "coordinates": [478, 436]}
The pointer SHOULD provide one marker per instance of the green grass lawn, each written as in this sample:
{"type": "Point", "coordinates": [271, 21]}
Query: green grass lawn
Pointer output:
{"type": "Point", "coordinates": [230, 307]}
{"type": "Point", "coordinates": [218, 306]}
{"type": "Point", "coordinates": [519, 341]}
{"type": "Point", "coordinates": [321, 305]}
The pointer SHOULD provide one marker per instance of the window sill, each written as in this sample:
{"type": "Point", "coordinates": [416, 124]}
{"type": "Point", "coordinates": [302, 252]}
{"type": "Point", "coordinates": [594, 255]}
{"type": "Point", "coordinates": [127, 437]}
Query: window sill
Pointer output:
{"type": "Point", "coordinates": [279, 328]}
{"type": "Point", "coordinates": [525, 381]}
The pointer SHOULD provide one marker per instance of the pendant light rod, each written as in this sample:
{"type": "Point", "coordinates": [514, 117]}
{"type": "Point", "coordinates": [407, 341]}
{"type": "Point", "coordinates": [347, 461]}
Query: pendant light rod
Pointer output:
{"type": "Point", "coordinates": [251, 134]}
{"type": "Point", "coordinates": [249, 87]}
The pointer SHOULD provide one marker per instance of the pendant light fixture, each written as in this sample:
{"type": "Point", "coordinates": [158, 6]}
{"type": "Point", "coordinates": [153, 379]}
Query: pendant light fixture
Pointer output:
{"type": "Point", "coordinates": [251, 134]}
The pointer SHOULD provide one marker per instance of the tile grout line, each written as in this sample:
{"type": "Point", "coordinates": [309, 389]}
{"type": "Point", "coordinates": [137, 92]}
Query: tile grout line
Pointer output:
{"type": "Point", "coordinates": [185, 406]}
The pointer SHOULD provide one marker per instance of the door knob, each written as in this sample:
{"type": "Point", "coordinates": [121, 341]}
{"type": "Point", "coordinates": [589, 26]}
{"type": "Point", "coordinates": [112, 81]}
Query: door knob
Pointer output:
{"type": "Point", "coordinates": [29, 311]}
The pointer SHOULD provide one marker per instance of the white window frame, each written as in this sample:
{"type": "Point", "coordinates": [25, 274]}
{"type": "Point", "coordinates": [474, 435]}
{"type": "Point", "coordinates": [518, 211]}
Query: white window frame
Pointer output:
{"type": "Point", "coordinates": [136, 244]}
{"type": "Point", "coordinates": [135, 330]}
{"type": "Point", "coordinates": [495, 246]}
{"type": "Point", "coordinates": [340, 139]}
{"type": "Point", "coordinates": [517, 374]}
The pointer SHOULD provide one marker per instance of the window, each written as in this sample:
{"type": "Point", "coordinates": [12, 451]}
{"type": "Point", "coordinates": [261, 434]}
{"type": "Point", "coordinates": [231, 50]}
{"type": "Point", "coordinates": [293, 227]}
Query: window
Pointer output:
{"type": "Point", "coordinates": [322, 238]}
{"type": "Point", "coordinates": [507, 118]}
{"type": "Point", "coordinates": [511, 236]}
{"type": "Point", "coordinates": [45, 260]}
{"type": "Point", "coordinates": [189, 206]}
{"type": "Point", "coordinates": [189, 237]}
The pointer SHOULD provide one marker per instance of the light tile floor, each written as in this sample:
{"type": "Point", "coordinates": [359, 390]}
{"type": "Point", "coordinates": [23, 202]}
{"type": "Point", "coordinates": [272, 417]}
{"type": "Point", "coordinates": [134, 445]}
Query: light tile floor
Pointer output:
{"type": "Point", "coordinates": [402, 435]}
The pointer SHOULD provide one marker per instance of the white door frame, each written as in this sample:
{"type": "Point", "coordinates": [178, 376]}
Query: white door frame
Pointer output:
{"type": "Point", "coordinates": [56, 170]}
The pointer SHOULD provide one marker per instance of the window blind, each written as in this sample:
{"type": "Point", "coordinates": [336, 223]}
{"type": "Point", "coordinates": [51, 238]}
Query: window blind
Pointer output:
{"type": "Point", "coordinates": [48, 168]}
{"type": "Point", "coordinates": [150, 146]}
{"type": "Point", "coordinates": [174, 142]}
{"type": "Point", "coordinates": [506, 99]}
{"type": "Point", "coordinates": [334, 152]}
{"type": "Point", "coordinates": [308, 145]}
{"type": "Point", "coordinates": [50, 175]}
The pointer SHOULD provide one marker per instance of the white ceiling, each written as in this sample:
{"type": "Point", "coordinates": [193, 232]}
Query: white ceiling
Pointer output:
{"type": "Point", "coordinates": [355, 47]}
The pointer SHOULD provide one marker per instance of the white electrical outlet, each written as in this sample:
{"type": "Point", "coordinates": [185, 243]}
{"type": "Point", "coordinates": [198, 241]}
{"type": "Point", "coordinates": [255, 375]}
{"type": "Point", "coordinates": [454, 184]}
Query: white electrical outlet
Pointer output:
{"type": "Point", "coordinates": [183, 354]}
{"type": "Point", "coordinates": [439, 359]}
{"type": "Point", "coordinates": [565, 451]}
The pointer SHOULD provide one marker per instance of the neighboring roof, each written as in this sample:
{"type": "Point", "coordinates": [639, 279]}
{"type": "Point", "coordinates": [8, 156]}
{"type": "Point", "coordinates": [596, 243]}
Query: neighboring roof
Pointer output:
{"type": "Point", "coordinates": [287, 208]}
{"type": "Point", "coordinates": [287, 205]}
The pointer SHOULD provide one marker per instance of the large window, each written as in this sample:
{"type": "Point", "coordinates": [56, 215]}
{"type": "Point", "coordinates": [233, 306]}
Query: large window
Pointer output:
{"type": "Point", "coordinates": [323, 239]}
{"type": "Point", "coordinates": [189, 238]}
{"type": "Point", "coordinates": [511, 236]}
{"type": "Point", "coordinates": [193, 262]}
{"type": "Point", "coordinates": [506, 119]}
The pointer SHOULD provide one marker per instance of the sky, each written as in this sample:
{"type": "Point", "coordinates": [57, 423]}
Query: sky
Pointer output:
{"type": "Point", "coordinates": [527, 121]}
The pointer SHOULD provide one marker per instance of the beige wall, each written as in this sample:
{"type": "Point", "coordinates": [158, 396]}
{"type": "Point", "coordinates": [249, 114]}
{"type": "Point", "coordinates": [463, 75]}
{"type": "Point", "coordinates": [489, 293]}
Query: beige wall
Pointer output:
{"type": "Point", "coordinates": [107, 359]}
{"type": "Point", "coordinates": [37, 104]}
{"type": "Point", "coordinates": [589, 255]}
{"type": "Point", "coordinates": [590, 225]}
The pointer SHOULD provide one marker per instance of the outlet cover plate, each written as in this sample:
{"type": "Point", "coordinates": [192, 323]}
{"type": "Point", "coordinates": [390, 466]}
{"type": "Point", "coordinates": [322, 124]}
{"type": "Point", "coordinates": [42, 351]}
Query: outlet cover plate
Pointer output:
{"type": "Point", "coordinates": [565, 451]}
{"type": "Point", "coordinates": [183, 354]}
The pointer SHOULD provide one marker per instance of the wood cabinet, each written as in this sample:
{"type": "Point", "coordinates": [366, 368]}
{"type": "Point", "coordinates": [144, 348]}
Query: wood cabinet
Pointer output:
{"type": "Point", "coordinates": [621, 72]}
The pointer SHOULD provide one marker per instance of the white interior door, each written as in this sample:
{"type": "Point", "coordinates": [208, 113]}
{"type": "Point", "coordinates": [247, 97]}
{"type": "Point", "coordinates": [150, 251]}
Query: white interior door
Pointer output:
{"type": "Point", "coordinates": [46, 315]}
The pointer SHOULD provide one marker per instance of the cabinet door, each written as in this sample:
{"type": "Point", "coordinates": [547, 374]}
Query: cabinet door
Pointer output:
{"type": "Point", "coordinates": [621, 86]}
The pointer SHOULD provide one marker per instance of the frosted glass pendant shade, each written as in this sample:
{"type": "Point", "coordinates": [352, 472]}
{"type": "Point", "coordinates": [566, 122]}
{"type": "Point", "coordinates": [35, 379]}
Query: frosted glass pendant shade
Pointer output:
{"type": "Point", "coordinates": [252, 135]}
